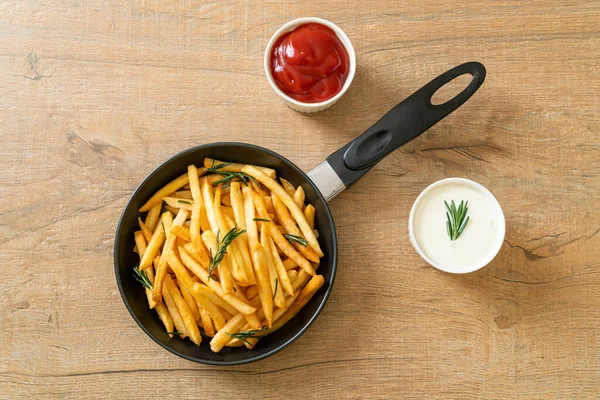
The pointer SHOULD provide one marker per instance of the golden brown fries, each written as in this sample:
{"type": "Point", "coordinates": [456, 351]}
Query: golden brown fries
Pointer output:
{"type": "Point", "coordinates": [277, 190]}
{"type": "Point", "coordinates": [299, 197]}
{"type": "Point", "coordinates": [234, 167]}
{"type": "Point", "coordinates": [309, 213]}
{"type": "Point", "coordinates": [172, 187]}
{"type": "Point", "coordinates": [233, 257]}
{"type": "Point", "coordinates": [152, 216]}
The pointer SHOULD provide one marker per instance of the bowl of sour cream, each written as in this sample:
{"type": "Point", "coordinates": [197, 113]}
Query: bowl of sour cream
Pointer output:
{"type": "Point", "coordinates": [454, 238]}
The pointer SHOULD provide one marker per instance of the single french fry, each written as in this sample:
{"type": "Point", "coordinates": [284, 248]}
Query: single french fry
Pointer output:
{"type": "Point", "coordinates": [281, 241]}
{"type": "Point", "coordinates": [299, 197]}
{"type": "Point", "coordinates": [170, 188]}
{"type": "Point", "coordinates": [277, 190]}
{"type": "Point", "coordinates": [172, 307]}
{"type": "Point", "coordinates": [156, 241]}
{"type": "Point", "coordinates": [140, 242]}
{"type": "Point", "coordinates": [288, 263]}
{"type": "Point", "coordinates": [198, 200]}
{"type": "Point", "coordinates": [145, 231]}
{"type": "Point", "coordinates": [233, 251]}
{"type": "Point", "coordinates": [284, 280]}
{"type": "Point", "coordinates": [202, 273]}
{"type": "Point", "coordinates": [207, 197]}
{"type": "Point", "coordinates": [289, 225]}
{"type": "Point", "coordinates": [222, 337]}
{"type": "Point", "coordinates": [309, 214]}
{"type": "Point", "coordinates": [170, 242]}
{"type": "Point", "coordinates": [183, 194]}
{"type": "Point", "coordinates": [276, 290]}
{"type": "Point", "coordinates": [181, 232]}
{"type": "Point", "coordinates": [224, 269]}
{"type": "Point", "coordinates": [165, 317]}
{"type": "Point", "coordinates": [191, 301]}
{"type": "Point", "coordinates": [251, 230]}
{"type": "Point", "coordinates": [207, 323]}
{"type": "Point", "coordinates": [235, 344]}
{"type": "Point", "coordinates": [178, 203]}
{"type": "Point", "coordinates": [289, 188]}
{"type": "Point", "coordinates": [233, 167]}
{"type": "Point", "coordinates": [292, 274]}
{"type": "Point", "coordinates": [237, 204]}
{"type": "Point", "coordinates": [184, 310]}
{"type": "Point", "coordinates": [186, 187]}
{"type": "Point", "coordinates": [262, 279]}
{"type": "Point", "coordinates": [152, 216]}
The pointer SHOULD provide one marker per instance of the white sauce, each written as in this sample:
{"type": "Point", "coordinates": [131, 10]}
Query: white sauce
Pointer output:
{"type": "Point", "coordinates": [479, 242]}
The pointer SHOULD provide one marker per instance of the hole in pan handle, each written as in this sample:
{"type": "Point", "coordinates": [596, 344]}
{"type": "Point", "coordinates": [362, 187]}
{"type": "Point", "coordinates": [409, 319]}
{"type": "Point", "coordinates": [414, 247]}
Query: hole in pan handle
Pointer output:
{"type": "Point", "coordinates": [400, 125]}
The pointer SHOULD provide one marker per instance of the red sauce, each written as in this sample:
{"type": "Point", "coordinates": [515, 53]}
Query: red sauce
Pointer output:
{"type": "Point", "coordinates": [310, 64]}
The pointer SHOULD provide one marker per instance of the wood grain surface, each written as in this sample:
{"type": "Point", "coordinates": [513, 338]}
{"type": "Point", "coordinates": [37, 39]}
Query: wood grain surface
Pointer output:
{"type": "Point", "coordinates": [94, 94]}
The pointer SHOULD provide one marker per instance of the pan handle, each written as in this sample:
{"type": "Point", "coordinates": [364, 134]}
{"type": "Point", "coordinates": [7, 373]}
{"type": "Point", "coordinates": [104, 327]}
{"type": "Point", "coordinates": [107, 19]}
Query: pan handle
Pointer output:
{"type": "Point", "coordinates": [400, 125]}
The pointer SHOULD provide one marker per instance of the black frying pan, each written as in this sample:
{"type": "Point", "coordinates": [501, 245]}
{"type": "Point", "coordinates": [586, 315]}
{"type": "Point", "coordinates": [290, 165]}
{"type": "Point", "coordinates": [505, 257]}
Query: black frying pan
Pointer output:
{"type": "Point", "coordinates": [343, 168]}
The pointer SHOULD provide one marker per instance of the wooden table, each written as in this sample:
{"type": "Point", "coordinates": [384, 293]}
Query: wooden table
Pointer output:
{"type": "Point", "coordinates": [94, 94]}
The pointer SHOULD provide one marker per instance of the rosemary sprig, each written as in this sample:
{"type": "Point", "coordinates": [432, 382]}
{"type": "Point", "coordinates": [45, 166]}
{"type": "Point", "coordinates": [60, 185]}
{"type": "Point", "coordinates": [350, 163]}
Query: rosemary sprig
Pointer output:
{"type": "Point", "coordinates": [141, 277]}
{"type": "Point", "coordinates": [275, 291]}
{"type": "Point", "coordinates": [455, 218]}
{"type": "Point", "coordinates": [184, 201]}
{"type": "Point", "coordinates": [245, 335]}
{"type": "Point", "coordinates": [296, 238]}
{"type": "Point", "coordinates": [261, 219]}
{"type": "Point", "coordinates": [221, 247]}
{"type": "Point", "coordinates": [228, 176]}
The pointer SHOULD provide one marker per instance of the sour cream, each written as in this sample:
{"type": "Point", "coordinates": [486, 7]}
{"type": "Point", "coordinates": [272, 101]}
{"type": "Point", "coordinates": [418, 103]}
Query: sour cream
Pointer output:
{"type": "Point", "coordinates": [480, 241]}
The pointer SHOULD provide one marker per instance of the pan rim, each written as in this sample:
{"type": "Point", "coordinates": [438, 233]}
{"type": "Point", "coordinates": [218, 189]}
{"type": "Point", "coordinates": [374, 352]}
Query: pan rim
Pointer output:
{"type": "Point", "coordinates": [306, 325]}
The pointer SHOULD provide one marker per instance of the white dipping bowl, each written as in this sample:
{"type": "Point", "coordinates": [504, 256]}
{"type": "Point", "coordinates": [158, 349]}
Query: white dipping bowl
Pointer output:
{"type": "Point", "coordinates": [298, 105]}
{"type": "Point", "coordinates": [479, 243]}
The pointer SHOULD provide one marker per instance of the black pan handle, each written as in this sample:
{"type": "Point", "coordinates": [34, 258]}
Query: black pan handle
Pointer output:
{"type": "Point", "coordinates": [402, 124]}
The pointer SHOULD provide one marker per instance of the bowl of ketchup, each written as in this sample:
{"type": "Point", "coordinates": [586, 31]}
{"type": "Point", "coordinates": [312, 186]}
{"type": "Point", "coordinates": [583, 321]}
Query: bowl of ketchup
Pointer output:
{"type": "Point", "coordinates": [310, 63]}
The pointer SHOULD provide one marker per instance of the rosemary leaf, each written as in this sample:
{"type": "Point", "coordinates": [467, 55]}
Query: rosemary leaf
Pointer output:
{"type": "Point", "coordinates": [261, 220]}
{"type": "Point", "coordinates": [141, 277]}
{"type": "Point", "coordinates": [245, 335]}
{"type": "Point", "coordinates": [295, 238]}
{"type": "Point", "coordinates": [221, 247]}
{"type": "Point", "coordinates": [455, 218]}
{"type": "Point", "coordinates": [184, 201]}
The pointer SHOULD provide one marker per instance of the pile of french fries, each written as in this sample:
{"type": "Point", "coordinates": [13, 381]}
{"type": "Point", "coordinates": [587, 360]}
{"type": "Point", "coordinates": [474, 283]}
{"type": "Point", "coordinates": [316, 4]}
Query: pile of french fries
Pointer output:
{"type": "Point", "coordinates": [228, 250]}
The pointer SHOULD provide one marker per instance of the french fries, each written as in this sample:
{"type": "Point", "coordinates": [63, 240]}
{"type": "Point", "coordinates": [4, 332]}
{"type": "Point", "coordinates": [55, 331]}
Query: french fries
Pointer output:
{"type": "Point", "coordinates": [277, 190]}
{"type": "Point", "coordinates": [234, 256]}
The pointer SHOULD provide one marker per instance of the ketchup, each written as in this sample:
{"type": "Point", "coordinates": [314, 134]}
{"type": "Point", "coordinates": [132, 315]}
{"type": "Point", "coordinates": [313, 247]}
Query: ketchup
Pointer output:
{"type": "Point", "coordinates": [310, 64]}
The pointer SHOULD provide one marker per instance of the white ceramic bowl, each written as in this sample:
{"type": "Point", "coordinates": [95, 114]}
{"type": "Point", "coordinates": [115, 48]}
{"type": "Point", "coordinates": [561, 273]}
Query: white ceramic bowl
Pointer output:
{"type": "Point", "coordinates": [298, 105]}
{"type": "Point", "coordinates": [491, 246]}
